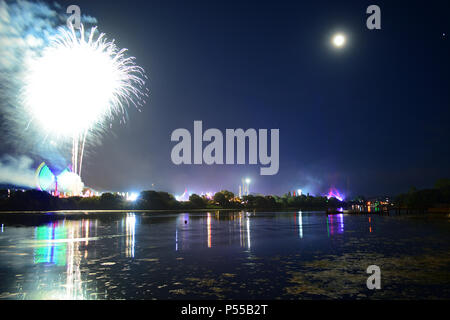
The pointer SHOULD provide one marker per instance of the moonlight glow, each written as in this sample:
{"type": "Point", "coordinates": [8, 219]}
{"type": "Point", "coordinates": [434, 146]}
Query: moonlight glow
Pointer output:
{"type": "Point", "coordinates": [339, 40]}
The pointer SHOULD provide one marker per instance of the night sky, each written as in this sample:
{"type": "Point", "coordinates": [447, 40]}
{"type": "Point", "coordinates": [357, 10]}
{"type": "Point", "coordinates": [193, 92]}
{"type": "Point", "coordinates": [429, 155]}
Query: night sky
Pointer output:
{"type": "Point", "coordinates": [371, 118]}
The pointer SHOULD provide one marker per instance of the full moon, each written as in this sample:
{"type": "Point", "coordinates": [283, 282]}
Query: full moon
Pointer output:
{"type": "Point", "coordinates": [338, 40]}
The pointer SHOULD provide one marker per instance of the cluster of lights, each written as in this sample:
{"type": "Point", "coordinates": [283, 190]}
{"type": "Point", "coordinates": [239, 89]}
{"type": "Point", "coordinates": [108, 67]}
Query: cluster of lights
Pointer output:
{"type": "Point", "coordinates": [208, 195]}
{"type": "Point", "coordinates": [334, 193]}
{"type": "Point", "coordinates": [185, 196]}
{"type": "Point", "coordinates": [66, 182]}
{"type": "Point", "coordinates": [132, 196]}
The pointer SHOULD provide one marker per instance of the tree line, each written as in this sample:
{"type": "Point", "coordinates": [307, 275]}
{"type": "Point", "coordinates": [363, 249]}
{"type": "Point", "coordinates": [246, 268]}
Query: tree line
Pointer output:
{"type": "Point", "coordinates": [439, 196]}
{"type": "Point", "coordinates": [158, 200]}
{"type": "Point", "coordinates": [436, 197]}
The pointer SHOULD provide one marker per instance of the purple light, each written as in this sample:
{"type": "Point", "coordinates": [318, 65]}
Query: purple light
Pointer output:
{"type": "Point", "coordinates": [334, 193]}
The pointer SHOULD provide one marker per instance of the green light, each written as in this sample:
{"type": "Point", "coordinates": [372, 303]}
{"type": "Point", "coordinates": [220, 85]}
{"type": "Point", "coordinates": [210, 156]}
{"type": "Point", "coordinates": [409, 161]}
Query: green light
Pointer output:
{"type": "Point", "coordinates": [47, 250]}
{"type": "Point", "coordinates": [328, 228]}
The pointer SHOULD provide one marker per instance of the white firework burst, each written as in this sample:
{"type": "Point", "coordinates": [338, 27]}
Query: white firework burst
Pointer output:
{"type": "Point", "coordinates": [79, 84]}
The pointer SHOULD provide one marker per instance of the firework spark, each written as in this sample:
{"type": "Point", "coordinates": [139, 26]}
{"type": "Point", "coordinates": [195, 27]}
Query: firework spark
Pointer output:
{"type": "Point", "coordinates": [79, 84]}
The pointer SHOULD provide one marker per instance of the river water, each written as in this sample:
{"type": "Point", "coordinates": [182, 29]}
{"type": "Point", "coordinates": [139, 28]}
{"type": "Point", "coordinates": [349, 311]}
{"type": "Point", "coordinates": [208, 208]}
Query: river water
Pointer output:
{"type": "Point", "coordinates": [222, 255]}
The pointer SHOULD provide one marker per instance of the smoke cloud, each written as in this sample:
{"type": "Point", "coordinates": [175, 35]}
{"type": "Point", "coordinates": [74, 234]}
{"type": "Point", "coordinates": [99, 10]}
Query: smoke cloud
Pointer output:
{"type": "Point", "coordinates": [17, 171]}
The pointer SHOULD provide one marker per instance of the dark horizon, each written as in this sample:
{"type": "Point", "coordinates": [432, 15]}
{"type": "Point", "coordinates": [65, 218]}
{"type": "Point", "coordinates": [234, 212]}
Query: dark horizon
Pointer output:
{"type": "Point", "coordinates": [370, 119]}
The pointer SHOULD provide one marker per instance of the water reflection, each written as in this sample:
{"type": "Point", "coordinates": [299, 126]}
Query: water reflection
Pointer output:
{"type": "Point", "coordinates": [60, 249]}
{"type": "Point", "coordinates": [73, 286]}
{"type": "Point", "coordinates": [87, 226]}
{"type": "Point", "coordinates": [244, 230]}
{"type": "Point", "coordinates": [335, 224]}
{"type": "Point", "coordinates": [130, 231]}
{"type": "Point", "coordinates": [182, 232]}
{"type": "Point", "coordinates": [140, 254]}
{"type": "Point", "coordinates": [132, 256]}
{"type": "Point", "coordinates": [300, 224]}
{"type": "Point", "coordinates": [50, 249]}
{"type": "Point", "coordinates": [176, 239]}
{"type": "Point", "coordinates": [58, 244]}
{"type": "Point", "coordinates": [248, 232]}
{"type": "Point", "coordinates": [208, 223]}
{"type": "Point", "coordinates": [341, 222]}
{"type": "Point", "coordinates": [209, 226]}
